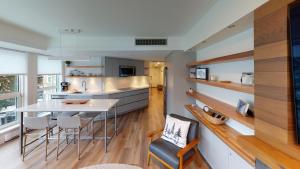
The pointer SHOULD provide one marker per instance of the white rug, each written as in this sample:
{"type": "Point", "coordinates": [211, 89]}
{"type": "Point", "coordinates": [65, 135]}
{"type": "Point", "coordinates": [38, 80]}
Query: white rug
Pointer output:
{"type": "Point", "coordinates": [112, 166]}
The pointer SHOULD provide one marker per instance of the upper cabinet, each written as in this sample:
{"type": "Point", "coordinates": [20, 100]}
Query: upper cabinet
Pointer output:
{"type": "Point", "coordinates": [112, 66]}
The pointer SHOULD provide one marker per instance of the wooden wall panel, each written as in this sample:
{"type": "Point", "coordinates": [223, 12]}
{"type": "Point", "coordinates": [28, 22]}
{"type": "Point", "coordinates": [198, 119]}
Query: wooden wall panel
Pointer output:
{"type": "Point", "coordinates": [276, 79]}
{"type": "Point", "coordinates": [272, 50]}
{"type": "Point", "coordinates": [276, 93]}
{"type": "Point", "coordinates": [279, 64]}
{"type": "Point", "coordinates": [269, 132]}
{"type": "Point", "coordinates": [266, 32]}
{"type": "Point", "coordinates": [274, 113]}
{"type": "Point", "coordinates": [270, 7]}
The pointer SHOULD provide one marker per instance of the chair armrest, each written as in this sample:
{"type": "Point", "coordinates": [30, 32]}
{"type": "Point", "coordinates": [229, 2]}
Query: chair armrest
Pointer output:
{"type": "Point", "coordinates": [152, 134]}
{"type": "Point", "coordinates": [187, 148]}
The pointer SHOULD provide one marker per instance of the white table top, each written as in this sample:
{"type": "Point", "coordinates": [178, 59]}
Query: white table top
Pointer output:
{"type": "Point", "coordinates": [57, 105]}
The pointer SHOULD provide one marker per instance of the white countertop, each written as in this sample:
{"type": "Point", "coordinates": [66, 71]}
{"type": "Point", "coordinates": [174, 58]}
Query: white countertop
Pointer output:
{"type": "Point", "coordinates": [57, 105]}
{"type": "Point", "coordinates": [93, 93]}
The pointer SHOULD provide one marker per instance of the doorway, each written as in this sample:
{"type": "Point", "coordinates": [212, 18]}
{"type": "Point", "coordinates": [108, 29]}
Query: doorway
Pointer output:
{"type": "Point", "coordinates": [156, 75]}
{"type": "Point", "coordinates": [157, 81]}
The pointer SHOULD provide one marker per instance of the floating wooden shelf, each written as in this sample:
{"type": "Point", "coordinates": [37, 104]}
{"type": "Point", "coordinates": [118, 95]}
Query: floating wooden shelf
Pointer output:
{"type": "Point", "coordinates": [227, 134]}
{"type": "Point", "coordinates": [83, 76]}
{"type": "Point", "coordinates": [230, 86]}
{"type": "Point", "coordinates": [85, 67]}
{"type": "Point", "coordinates": [223, 108]}
{"type": "Point", "coordinates": [271, 156]}
{"type": "Point", "coordinates": [229, 58]}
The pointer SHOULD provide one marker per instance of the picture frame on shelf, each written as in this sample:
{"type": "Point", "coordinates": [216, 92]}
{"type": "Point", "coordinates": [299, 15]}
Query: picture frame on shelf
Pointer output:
{"type": "Point", "coordinates": [192, 73]}
{"type": "Point", "coordinates": [202, 73]}
{"type": "Point", "coordinates": [242, 107]}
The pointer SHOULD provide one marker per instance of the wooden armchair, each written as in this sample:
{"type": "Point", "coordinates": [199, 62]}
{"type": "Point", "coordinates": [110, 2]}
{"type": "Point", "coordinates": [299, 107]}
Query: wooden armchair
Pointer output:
{"type": "Point", "coordinates": [169, 154]}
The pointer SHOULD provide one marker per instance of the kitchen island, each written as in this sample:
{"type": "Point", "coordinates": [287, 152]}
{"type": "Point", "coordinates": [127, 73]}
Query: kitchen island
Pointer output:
{"type": "Point", "coordinates": [130, 99]}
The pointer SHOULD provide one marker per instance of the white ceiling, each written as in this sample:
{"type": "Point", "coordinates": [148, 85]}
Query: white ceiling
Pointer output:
{"type": "Point", "coordinates": [149, 55]}
{"type": "Point", "coordinates": [109, 27]}
{"type": "Point", "coordinates": [241, 25]}
{"type": "Point", "coordinates": [106, 18]}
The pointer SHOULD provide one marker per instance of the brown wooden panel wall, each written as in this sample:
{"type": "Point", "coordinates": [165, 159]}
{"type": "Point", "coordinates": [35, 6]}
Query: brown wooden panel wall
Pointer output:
{"type": "Point", "coordinates": [274, 120]}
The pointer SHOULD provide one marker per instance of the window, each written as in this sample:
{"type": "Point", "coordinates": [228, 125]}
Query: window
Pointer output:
{"type": "Point", "coordinates": [49, 77]}
{"type": "Point", "coordinates": [47, 84]}
{"type": "Point", "coordinates": [9, 99]}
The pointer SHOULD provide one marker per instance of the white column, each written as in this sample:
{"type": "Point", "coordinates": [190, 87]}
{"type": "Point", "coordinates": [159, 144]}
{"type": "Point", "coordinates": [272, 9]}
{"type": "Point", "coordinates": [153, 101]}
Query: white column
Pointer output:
{"type": "Point", "coordinates": [31, 80]}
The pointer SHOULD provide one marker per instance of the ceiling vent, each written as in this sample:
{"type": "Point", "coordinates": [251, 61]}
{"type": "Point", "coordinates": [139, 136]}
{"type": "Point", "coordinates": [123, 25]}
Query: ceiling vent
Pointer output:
{"type": "Point", "coordinates": [151, 42]}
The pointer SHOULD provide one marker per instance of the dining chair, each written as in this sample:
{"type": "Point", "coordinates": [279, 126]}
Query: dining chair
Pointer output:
{"type": "Point", "coordinates": [37, 123]}
{"type": "Point", "coordinates": [76, 124]}
{"type": "Point", "coordinates": [172, 156]}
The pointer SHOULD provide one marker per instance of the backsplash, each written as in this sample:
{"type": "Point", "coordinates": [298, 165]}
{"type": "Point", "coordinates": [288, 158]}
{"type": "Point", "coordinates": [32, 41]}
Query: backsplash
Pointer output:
{"type": "Point", "coordinates": [99, 84]}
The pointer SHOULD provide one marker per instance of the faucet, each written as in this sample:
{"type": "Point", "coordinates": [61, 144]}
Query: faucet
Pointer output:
{"type": "Point", "coordinates": [84, 84]}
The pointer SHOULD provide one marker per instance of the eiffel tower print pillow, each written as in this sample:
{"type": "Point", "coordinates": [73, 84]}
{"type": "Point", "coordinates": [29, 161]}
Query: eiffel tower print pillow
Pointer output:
{"type": "Point", "coordinates": [176, 131]}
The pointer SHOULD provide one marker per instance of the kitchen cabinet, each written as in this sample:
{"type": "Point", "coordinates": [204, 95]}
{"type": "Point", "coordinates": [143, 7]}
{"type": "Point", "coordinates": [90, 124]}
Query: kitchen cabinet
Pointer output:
{"type": "Point", "coordinates": [236, 162]}
{"type": "Point", "coordinates": [112, 66]}
{"type": "Point", "coordinates": [218, 154]}
{"type": "Point", "coordinates": [129, 100]}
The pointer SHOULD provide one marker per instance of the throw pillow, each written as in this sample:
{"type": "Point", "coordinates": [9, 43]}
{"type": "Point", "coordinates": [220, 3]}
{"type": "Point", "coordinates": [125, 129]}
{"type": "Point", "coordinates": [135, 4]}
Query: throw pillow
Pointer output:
{"type": "Point", "coordinates": [176, 131]}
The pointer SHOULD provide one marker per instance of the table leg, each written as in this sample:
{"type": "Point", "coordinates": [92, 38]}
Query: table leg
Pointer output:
{"type": "Point", "coordinates": [105, 128]}
{"type": "Point", "coordinates": [116, 133]}
{"type": "Point", "coordinates": [21, 132]}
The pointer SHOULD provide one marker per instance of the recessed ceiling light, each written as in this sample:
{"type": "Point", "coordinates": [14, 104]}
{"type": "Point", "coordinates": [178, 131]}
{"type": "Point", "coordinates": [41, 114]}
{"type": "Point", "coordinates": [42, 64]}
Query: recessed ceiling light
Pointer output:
{"type": "Point", "coordinates": [70, 31]}
{"type": "Point", "coordinates": [231, 26]}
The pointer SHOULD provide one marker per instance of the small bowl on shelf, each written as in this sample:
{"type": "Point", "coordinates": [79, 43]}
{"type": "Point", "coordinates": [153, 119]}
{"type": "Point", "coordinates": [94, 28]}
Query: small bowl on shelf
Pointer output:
{"type": "Point", "coordinates": [213, 116]}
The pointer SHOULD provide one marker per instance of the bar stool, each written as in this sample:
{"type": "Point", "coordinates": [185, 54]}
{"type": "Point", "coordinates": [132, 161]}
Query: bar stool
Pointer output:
{"type": "Point", "coordinates": [54, 115]}
{"type": "Point", "coordinates": [89, 115]}
{"type": "Point", "coordinates": [37, 123]}
{"type": "Point", "coordinates": [76, 124]}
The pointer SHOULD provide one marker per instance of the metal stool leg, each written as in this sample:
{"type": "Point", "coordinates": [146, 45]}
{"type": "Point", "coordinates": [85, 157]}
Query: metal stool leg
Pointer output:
{"type": "Point", "coordinates": [74, 136]}
{"type": "Point", "coordinates": [58, 138]}
{"type": "Point", "coordinates": [78, 143]}
{"type": "Point", "coordinates": [47, 141]}
{"type": "Point", "coordinates": [24, 144]}
{"type": "Point", "coordinates": [93, 132]}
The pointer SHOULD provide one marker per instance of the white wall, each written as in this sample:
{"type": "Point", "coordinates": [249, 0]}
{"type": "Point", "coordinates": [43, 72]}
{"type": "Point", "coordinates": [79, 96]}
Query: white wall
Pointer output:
{"type": "Point", "coordinates": [108, 83]}
{"type": "Point", "coordinates": [232, 71]}
{"type": "Point", "coordinates": [31, 79]}
{"type": "Point", "coordinates": [228, 71]}
{"type": "Point", "coordinates": [243, 41]}
{"type": "Point", "coordinates": [177, 84]}
{"type": "Point", "coordinates": [221, 15]}
{"type": "Point", "coordinates": [16, 35]}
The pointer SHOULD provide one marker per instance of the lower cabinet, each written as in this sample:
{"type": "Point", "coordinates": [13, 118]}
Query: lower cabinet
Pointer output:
{"type": "Point", "coordinates": [236, 162]}
{"type": "Point", "coordinates": [218, 154]}
{"type": "Point", "coordinates": [128, 100]}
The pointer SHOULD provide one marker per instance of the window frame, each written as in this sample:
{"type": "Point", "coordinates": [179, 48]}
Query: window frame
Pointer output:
{"type": "Point", "coordinates": [17, 95]}
{"type": "Point", "coordinates": [58, 77]}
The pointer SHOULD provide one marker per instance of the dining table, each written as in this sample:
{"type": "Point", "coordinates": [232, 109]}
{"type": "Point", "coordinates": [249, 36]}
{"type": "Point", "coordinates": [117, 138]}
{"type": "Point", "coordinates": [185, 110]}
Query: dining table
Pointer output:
{"type": "Point", "coordinates": [58, 105]}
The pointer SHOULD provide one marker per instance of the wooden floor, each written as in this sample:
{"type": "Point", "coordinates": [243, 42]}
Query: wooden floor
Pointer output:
{"type": "Point", "coordinates": [129, 147]}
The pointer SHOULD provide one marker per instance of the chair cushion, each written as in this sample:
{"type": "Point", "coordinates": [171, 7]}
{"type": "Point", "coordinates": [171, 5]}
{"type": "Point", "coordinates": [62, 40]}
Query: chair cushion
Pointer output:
{"type": "Point", "coordinates": [52, 123]}
{"type": "Point", "coordinates": [167, 152]}
{"type": "Point", "coordinates": [68, 114]}
{"type": "Point", "coordinates": [88, 114]}
{"type": "Point", "coordinates": [176, 131]}
{"type": "Point", "coordinates": [85, 121]}
{"type": "Point", "coordinates": [193, 130]}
